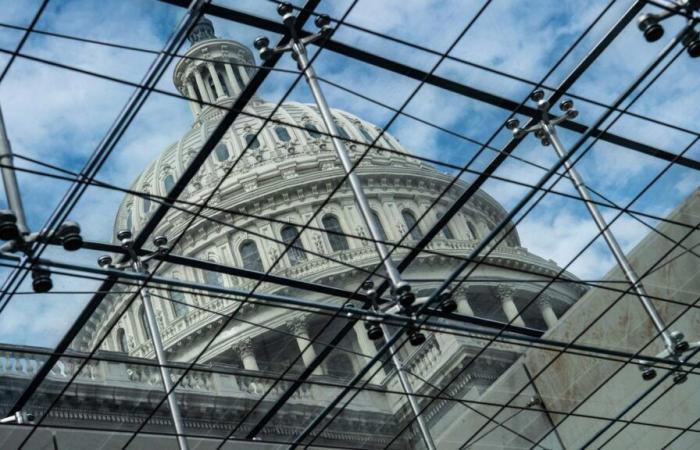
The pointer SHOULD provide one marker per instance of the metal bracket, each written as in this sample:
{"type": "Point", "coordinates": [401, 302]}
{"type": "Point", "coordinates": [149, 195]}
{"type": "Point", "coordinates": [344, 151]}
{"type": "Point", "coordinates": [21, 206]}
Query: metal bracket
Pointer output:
{"type": "Point", "coordinates": [13, 222]}
{"type": "Point", "coordinates": [650, 24]}
{"type": "Point", "coordinates": [19, 418]}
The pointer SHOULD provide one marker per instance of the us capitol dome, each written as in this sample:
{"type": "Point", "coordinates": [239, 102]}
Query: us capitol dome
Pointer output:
{"type": "Point", "coordinates": [287, 172]}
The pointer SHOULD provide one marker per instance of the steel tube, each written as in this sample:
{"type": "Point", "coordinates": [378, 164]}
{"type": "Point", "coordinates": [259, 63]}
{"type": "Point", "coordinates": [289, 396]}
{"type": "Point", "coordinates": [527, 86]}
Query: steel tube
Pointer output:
{"type": "Point", "coordinates": [9, 179]}
{"type": "Point", "coordinates": [310, 75]}
{"type": "Point", "coordinates": [162, 361]}
{"type": "Point", "coordinates": [486, 240]}
{"type": "Point", "coordinates": [609, 237]}
{"type": "Point", "coordinates": [408, 389]}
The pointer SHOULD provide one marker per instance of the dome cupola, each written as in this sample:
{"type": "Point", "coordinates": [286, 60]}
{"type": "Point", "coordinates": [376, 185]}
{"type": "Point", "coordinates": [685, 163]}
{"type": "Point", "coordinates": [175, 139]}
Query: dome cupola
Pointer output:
{"type": "Point", "coordinates": [213, 70]}
{"type": "Point", "coordinates": [202, 31]}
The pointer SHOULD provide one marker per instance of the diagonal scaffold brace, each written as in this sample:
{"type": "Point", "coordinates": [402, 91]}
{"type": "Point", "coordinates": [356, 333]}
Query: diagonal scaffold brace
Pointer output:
{"type": "Point", "coordinates": [545, 131]}
{"type": "Point", "coordinates": [401, 291]}
{"type": "Point", "coordinates": [139, 265]}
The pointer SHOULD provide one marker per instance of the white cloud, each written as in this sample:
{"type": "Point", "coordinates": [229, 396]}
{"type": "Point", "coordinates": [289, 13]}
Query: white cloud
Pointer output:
{"type": "Point", "coordinates": [560, 229]}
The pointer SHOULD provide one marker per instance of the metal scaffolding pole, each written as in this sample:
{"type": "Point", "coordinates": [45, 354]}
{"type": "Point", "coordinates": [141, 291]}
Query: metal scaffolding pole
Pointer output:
{"type": "Point", "coordinates": [378, 330]}
{"type": "Point", "coordinates": [9, 179]}
{"type": "Point", "coordinates": [353, 179]}
{"type": "Point", "coordinates": [137, 263]}
{"type": "Point", "coordinates": [15, 230]}
{"type": "Point", "coordinates": [408, 389]}
{"type": "Point", "coordinates": [545, 130]}
{"type": "Point", "coordinates": [400, 288]}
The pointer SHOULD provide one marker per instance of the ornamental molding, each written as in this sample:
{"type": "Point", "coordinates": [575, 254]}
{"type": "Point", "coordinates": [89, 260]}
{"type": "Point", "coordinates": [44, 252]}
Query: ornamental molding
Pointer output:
{"type": "Point", "coordinates": [299, 326]}
{"type": "Point", "coordinates": [545, 301]}
{"type": "Point", "coordinates": [244, 348]}
{"type": "Point", "coordinates": [505, 291]}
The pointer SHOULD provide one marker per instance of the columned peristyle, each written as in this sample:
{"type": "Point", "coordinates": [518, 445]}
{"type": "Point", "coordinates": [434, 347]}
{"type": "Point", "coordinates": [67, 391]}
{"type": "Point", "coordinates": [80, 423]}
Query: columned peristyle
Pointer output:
{"type": "Point", "coordinates": [213, 70]}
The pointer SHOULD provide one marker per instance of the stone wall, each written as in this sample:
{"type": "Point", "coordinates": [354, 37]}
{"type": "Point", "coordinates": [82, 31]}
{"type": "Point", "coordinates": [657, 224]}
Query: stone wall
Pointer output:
{"type": "Point", "coordinates": [568, 383]}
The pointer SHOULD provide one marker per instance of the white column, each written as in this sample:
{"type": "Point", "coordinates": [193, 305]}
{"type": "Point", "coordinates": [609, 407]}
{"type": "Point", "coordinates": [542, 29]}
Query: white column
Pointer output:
{"type": "Point", "coordinates": [227, 82]}
{"type": "Point", "coordinates": [245, 351]}
{"type": "Point", "coordinates": [232, 80]}
{"type": "Point", "coordinates": [299, 327]}
{"type": "Point", "coordinates": [203, 93]}
{"type": "Point", "coordinates": [505, 293]}
{"type": "Point", "coordinates": [215, 76]}
{"type": "Point", "coordinates": [463, 306]}
{"type": "Point", "coordinates": [194, 104]}
{"type": "Point", "coordinates": [548, 314]}
{"type": "Point", "coordinates": [367, 348]}
{"type": "Point", "coordinates": [244, 74]}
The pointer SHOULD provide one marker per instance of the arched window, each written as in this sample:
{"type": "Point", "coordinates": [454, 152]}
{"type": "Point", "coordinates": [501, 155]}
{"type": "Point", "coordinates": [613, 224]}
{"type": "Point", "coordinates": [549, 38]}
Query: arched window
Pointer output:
{"type": "Point", "coordinates": [146, 203]}
{"type": "Point", "coordinates": [342, 133]}
{"type": "Point", "coordinates": [365, 134]}
{"type": "Point", "coordinates": [180, 307]}
{"type": "Point", "coordinates": [144, 322]}
{"type": "Point", "coordinates": [472, 229]}
{"type": "Point", "coordinates": [252, 141]}
{"type": "Point", "coordinates": [312, 130]}
{"type": "Point", "coordinates": [384, 141]}
{"type": "Point", "coordinates": [283, 134]}
{"type": "Point", "coordinates": [168, 183]}
{"type": "Point", "coordinates": [296, 254]}
{"type": "Point", "coordinates": [221, 152]}
{"type": "Point", "coordinates": [447, 232]}
{"type": "Point", "coordinates": [213, 278]}
{"type": "Point", "coordinates": [446, 229]}
{"type": "Point", "coordinates": [251, 256]}
{"type": "Point", "coordinates": [410, 220]}
{"type": "Point", "coordinates": [129, 222]}
{"type": "Point", "coordinates": [121, 339]}
{"type": "Point", "coordinates": [338, 241]}
{"type": "Point", "coordinates": [382, 233]}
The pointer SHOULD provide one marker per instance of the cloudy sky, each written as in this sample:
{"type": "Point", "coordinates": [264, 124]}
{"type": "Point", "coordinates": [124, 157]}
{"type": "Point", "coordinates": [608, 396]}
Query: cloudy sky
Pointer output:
{"type": "Point", "coordinates": [60, 116]}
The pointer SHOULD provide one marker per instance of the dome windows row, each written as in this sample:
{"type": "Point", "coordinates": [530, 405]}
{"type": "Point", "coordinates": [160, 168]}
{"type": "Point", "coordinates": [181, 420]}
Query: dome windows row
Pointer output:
{"type": "Point", "coordinates": [249, 254]}
{"type": "Point", "coordinates": [414, 230]}
{"type": "Point", "coordinates": [222, 153]}
{"type": "Point", "coordinates": [336, 237]}
{"type": "Point", "coordinates": [284, 134]}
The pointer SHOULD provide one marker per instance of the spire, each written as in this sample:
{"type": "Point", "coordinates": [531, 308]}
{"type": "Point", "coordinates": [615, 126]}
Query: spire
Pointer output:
{"type": "Point", "coordinates": [203, 30]}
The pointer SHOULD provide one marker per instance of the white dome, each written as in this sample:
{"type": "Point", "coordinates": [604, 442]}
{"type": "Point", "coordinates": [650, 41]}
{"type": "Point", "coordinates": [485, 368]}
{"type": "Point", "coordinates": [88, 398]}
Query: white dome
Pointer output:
{"type": "Point", "coordinates": [288, 147]}
{"type": "Point", "coordinates": [284, 179]}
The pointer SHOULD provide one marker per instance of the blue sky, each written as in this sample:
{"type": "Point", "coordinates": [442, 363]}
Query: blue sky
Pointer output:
{"type": "Point", "coordinates": [60, 116]}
